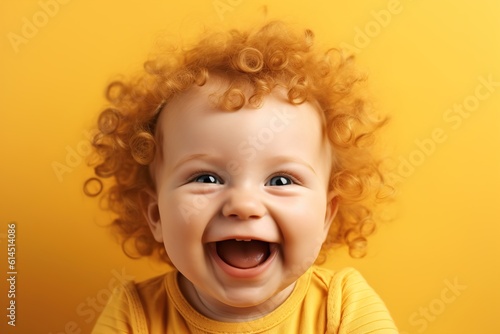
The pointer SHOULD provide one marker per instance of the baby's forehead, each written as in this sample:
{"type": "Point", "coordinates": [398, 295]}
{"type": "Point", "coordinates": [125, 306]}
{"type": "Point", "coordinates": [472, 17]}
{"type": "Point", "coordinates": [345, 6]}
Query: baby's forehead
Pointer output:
{"type": "Point", "coordinates": [207, 99]}
{"type": "Point", "coordinates": [204, 102]}
{"type": "Point", "coordinates": [214, 89]}
{"type": "Point", "coordinates": [196, 109]}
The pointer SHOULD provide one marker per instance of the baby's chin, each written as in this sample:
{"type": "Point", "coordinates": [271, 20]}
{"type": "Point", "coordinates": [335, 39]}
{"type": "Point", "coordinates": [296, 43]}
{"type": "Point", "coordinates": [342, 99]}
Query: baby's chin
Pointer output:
{"type": "Point", "coordinates": [246, 304]}
{"type": "Point", "coordinates": [237, 302]}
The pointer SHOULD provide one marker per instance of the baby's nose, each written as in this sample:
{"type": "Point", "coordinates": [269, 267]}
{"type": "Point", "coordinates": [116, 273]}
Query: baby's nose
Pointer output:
{"type": "Point", "coordinates": [243, 204]}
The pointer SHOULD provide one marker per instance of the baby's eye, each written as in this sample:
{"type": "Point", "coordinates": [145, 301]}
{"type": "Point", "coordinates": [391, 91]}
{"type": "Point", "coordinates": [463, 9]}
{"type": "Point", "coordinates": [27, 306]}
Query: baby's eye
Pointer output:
{"type": "Point", "coordinates": [280, 180]}
{"type": "Point", "coordinates": [206, 178]}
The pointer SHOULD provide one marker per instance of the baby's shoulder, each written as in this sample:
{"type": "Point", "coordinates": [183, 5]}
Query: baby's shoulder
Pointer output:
{"type": "Point", "coordinates": [151, 285]}
{"type": "Point", "coordinates": [350, 299]}
{"type": "Point", "coordinates": [342, 278]}
{"type": "Point", "coordinates": [153, 291]}
{"type": "Point", "coordinates": [131, 305]}
{"type": "Point", "coordinates": [342, 287]}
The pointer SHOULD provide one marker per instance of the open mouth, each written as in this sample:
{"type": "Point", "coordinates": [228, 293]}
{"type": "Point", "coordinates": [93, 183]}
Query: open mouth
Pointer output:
{"type": "Point", "coordinates": [243, 254]}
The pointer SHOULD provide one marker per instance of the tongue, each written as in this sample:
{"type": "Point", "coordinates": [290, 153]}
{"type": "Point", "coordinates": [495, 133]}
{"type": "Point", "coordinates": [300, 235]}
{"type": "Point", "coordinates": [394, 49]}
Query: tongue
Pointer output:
{"type": "Point", "coordinates": [243, 254]}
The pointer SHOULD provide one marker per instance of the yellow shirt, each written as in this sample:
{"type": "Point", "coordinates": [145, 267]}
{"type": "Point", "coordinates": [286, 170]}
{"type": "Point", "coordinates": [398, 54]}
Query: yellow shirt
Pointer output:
{"type": "Point", "coordinates": [322, 301]}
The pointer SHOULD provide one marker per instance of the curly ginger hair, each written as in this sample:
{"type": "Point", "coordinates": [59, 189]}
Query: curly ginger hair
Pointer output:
{"type": "Point", "coordinates": [263, 59]}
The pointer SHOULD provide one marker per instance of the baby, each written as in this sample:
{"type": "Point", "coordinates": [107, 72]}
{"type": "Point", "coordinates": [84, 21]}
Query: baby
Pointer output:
{"type": "Point", "coordinates": [240, 162]}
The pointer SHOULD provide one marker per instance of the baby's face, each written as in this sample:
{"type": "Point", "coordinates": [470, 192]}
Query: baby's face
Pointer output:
{"type": "Point", "coordinates": [242, 197]}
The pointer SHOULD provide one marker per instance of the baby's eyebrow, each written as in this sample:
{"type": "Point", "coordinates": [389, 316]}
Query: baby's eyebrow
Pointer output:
{"type": "Point", "coordinates": [276, 160]}
{"type": "Point", "coordinates": [190, 157]}
{"type": "Point", "coordinates": [281, 159]}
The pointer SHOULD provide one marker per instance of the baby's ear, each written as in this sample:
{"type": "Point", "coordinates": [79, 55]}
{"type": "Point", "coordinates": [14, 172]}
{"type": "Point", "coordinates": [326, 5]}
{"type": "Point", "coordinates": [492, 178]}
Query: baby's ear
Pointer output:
{"type": "Point", "coordinates": [151, 211]}
{"type": "Point", "coordinates": [332, 206]}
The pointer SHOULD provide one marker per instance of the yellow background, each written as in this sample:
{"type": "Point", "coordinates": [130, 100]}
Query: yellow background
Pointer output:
{"type": "Point", "coordinates": [423, 58]}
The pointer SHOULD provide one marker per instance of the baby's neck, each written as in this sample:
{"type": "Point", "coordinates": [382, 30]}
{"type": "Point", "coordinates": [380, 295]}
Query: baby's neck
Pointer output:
{"type": "Point", "coordinates": [215, 310]}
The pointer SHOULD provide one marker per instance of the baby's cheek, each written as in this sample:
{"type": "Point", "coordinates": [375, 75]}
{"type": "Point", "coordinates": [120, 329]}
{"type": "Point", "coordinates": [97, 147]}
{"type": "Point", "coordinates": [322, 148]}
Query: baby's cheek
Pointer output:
{"type": "Point", "coordinates": [182, 210]}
